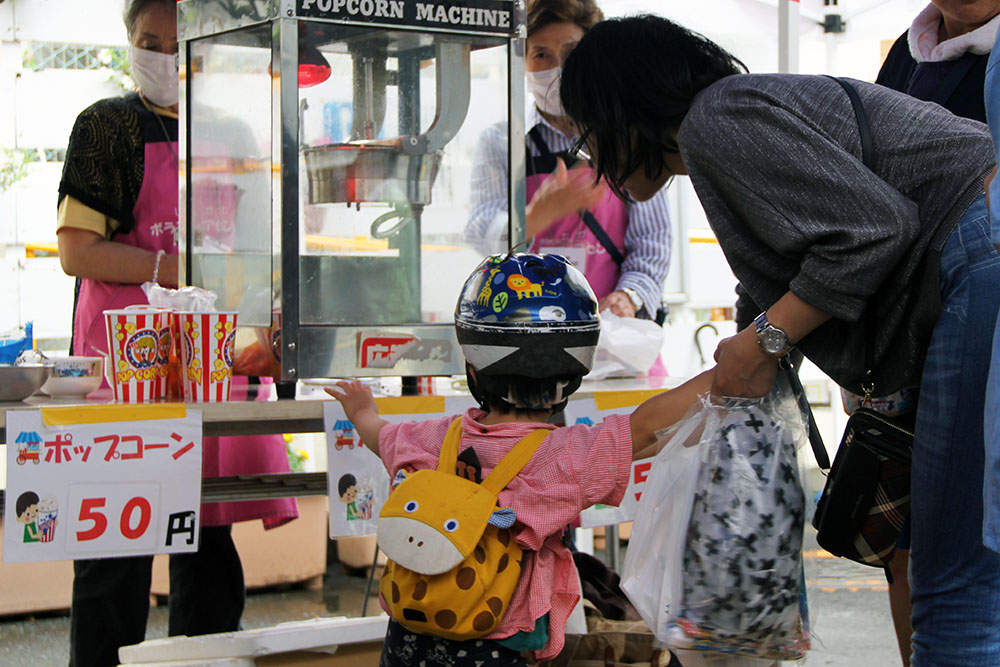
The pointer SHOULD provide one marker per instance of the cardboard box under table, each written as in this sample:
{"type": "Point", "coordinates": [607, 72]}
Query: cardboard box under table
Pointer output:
{"type": "Point", "coordinates": [332, 642]}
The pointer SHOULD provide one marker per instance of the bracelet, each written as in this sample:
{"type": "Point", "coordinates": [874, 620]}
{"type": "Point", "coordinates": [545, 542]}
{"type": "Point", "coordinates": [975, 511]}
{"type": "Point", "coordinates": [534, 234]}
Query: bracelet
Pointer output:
{"type": "Point", "coordinates": [156, 267]}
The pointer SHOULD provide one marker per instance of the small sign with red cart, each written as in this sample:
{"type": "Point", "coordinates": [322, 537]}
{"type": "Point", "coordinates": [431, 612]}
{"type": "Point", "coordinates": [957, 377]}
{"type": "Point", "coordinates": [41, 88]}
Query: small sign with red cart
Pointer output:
{"type": "Point", "coordinates": [102, 481]}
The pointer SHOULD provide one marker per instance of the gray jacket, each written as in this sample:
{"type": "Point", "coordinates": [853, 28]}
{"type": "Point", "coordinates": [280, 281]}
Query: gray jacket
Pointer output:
{"type": "Point", "coordinates": [776, 162]}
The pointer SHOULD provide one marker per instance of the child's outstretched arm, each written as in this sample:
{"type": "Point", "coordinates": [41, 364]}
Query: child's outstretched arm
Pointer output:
{"type": "Point", "coordinates": [663, 410]}
{"type": "Point", "coordinates": [360, 407]}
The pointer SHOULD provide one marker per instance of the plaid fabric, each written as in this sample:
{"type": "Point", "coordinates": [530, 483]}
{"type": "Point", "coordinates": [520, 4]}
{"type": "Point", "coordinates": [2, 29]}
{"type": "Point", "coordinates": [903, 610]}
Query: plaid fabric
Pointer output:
{"type": "Point", "coordinates": [876, 541]}
{"type": "Point", "coordinates": [867, 496]}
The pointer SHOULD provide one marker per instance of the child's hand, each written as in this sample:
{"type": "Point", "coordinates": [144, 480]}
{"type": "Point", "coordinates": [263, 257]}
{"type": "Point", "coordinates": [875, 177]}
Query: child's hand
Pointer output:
{"type": "Point", "coordinates": [354, 397]}
{"type": "Point", "coordinates": [360, 407]}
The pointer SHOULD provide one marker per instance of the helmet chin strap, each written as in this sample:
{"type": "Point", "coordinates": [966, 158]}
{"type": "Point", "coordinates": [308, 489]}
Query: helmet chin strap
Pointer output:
{"type": "Point", "coordinates": [470, 378]}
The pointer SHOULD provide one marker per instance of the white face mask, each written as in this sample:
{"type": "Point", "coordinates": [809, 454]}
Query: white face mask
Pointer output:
{"type": "Point", "coordinates": [156, 74]}
{"type": "Point", "coordinates": [544, 87]}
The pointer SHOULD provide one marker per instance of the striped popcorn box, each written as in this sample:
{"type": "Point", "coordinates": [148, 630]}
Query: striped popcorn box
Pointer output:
{"type": "Point", "coordinates": [206, 355]}
{"type": "Point", "coordinates": [166, 342]}
{"type": "Point", "coordinates": [134, 345]}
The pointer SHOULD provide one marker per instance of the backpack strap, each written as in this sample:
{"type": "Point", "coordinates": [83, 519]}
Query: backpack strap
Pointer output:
{"type": "Point", "coordinates": [448, 458]}
{"type": "Point", "coordinates": [514, 460]}
{"type": "Point", "coordinates": [504, 471]}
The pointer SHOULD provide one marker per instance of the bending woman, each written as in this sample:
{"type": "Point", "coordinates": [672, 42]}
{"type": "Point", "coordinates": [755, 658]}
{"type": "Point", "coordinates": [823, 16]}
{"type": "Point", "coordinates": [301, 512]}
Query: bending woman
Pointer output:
{"type": "Point", "coordinates": [847, 262]}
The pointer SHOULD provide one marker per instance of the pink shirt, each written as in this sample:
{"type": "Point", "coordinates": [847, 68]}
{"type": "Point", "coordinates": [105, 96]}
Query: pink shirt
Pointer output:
{"type": "Point", "coordinates": [574, 468]}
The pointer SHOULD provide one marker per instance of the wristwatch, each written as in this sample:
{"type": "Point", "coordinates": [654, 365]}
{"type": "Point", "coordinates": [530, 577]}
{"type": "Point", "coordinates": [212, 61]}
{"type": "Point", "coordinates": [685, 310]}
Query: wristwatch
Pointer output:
{"type": "Point", "coordinates": [634, 297]}
{"type": "Point", "coordinates": [772, 340]}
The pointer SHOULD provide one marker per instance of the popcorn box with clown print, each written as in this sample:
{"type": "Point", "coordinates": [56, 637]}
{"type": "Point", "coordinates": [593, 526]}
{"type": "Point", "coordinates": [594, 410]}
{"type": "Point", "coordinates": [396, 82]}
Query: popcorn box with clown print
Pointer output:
{"type": "Point", "coordinates": [138, 346]}
{"type": "Point", "coordinates": [207, 344]}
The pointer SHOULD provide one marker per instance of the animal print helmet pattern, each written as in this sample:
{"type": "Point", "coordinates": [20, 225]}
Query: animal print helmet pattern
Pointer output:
{"type": "Point", "coordinates": [530, 315]}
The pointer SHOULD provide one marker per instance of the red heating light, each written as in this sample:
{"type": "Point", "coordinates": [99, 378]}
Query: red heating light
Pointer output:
{"type": "Point", "coordinates": [311, 74]}
{"type": "Point", "coordinates": [313, 68]}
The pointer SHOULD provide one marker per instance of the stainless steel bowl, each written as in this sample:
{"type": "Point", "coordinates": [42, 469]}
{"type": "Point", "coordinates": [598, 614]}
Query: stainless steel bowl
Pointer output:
{"type": "Point", "coordinates": [355, 173]}
{"type": "Point", "coordinates": [20, 382]}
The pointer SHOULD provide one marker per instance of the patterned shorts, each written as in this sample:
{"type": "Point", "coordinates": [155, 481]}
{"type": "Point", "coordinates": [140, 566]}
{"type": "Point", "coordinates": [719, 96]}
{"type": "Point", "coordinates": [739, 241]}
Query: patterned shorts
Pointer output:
{"type": "Point", "coordinates": [411, 649]}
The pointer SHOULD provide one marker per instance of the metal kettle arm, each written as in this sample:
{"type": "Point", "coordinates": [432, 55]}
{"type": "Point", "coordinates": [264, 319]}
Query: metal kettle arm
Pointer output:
{"type": "Point", "coordinates": [452, 67]}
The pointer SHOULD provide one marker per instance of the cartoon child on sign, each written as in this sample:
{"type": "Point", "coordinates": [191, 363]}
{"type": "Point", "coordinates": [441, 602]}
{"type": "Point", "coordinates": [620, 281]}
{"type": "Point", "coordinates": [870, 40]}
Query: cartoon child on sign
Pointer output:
{"type": "Point", "coordinates": [26, 511]}
{"type": "Point", "coordinates": [347, 489]}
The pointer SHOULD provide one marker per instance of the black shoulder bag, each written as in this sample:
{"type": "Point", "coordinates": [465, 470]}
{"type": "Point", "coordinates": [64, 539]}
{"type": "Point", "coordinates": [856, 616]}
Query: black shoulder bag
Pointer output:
{"type": "Point", "coordinates": [867, 494]}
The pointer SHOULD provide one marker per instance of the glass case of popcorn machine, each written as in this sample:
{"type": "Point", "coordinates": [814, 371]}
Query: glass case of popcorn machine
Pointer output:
{"type": "Point", "coordinates": [329, 152]}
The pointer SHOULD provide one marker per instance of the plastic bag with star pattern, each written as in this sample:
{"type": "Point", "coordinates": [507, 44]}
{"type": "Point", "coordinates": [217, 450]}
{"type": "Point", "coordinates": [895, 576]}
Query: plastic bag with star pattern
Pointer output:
{"type": "Point", "coordinates": [715, 561]}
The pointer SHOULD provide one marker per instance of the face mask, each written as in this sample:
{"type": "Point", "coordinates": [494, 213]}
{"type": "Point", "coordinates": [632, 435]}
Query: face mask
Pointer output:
{"type": "Point", "coordinates": [156, 74]}
{"type": "Point", "coordinates": [544, 87]}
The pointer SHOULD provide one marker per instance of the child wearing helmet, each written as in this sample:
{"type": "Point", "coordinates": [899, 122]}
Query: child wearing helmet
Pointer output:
{"type": "Point", "coordinates": [528, 326]}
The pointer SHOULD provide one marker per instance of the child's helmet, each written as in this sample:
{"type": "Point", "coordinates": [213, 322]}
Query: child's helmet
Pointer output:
{"type": "Point", "coordinates": [526, 315]}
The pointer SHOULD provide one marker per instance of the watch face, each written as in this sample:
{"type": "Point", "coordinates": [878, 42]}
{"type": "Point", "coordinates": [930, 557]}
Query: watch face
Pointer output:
{"type": "Point", "coordinates": [773, 341]}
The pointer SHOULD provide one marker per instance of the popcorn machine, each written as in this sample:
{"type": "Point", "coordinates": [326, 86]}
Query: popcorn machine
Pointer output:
{"type": "Point", "coordinates": [326, 150]}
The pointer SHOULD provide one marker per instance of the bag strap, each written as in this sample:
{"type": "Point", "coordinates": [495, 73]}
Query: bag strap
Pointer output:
{"type": "Point", "coordinates": [503, 472]}
{"type": "Point", "coordinates": [867, 147]}
{"type": "Point", "coordinates": [815, 438]}
{"type": "Point", "coordinates": [595, 228]}
{"type": "Point", "coordinates": [868, 158]}
{"type": "Point", "coordinates": [514, 460]}
{"type": "Point", "coordinates": [448, 458]}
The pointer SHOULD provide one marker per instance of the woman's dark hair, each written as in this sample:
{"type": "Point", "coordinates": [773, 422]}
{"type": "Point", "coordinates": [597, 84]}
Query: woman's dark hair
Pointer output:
{"type": "Point", "coordinates": [24, 501]}
{"type": "Point", "coordinates": [135, 7]}
{"type": "Point", "coordinates": [584, 13]}
{"type": "Point", "coordinates": [628, 85]}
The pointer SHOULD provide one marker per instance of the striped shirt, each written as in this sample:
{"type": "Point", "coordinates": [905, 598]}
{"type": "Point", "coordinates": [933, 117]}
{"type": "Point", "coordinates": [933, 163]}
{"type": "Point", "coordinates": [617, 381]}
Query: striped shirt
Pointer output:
{"type": "Point", "coordinates": [647, 237]}
{"type": "Point", "coordinates": [574, 467]}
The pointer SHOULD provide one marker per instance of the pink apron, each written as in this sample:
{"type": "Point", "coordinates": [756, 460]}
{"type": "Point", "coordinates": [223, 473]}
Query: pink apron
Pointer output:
{"type": "Point", "coordinates": [155, 228]}
{"type": "Point", "coordinates": [571, 237]}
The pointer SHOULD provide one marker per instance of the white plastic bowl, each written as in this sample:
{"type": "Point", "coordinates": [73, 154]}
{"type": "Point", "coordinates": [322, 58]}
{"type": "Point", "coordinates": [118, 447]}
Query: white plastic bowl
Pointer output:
{"type": "Point", "coordinates": [74, 376]}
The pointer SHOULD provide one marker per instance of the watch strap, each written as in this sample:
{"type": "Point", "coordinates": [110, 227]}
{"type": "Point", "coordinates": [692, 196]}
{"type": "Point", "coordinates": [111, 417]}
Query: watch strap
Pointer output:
{"type": "Point", "coordinates": [762, 325]}
{"type": "Point", "coordinates": [634, 297]}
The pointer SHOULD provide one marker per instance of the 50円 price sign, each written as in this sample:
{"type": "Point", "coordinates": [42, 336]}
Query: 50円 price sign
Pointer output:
{"type": "Point", "coordinates": [102, 481]}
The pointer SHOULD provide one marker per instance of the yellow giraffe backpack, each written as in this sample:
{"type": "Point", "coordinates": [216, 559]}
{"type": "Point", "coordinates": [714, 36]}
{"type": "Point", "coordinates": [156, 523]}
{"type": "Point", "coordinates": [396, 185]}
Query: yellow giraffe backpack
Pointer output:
{"type": "Point", "coordinates": [453, 562]}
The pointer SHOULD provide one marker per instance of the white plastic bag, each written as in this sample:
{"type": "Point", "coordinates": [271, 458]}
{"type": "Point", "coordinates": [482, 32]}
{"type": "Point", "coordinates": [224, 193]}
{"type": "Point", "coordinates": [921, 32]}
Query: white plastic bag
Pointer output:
{"type": "Point", "coordinates": [719, 567]}
{"type": "Point", "coordinates": [661, 521]}
{"type": "Point", "coordinates": [628, 346]}
{"type": "Point", "coordinates": [190, 298]}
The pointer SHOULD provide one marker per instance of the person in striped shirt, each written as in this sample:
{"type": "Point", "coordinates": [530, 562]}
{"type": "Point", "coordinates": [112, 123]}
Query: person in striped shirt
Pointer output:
{"type": "Point", "coordinates": [628, 265]}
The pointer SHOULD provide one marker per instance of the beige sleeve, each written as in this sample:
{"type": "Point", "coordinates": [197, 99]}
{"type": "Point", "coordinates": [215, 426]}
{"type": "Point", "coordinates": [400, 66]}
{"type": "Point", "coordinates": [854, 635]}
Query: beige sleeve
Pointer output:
{"type": "Point", "coordinates": [73, 213]}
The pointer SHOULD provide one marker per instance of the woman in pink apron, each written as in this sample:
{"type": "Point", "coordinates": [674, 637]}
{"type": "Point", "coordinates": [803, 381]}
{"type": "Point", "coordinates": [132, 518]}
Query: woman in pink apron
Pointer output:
{"type": "Point", "coordinates": [622, 248]}
{"type": "Point", "coordinates": [117, 229]}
